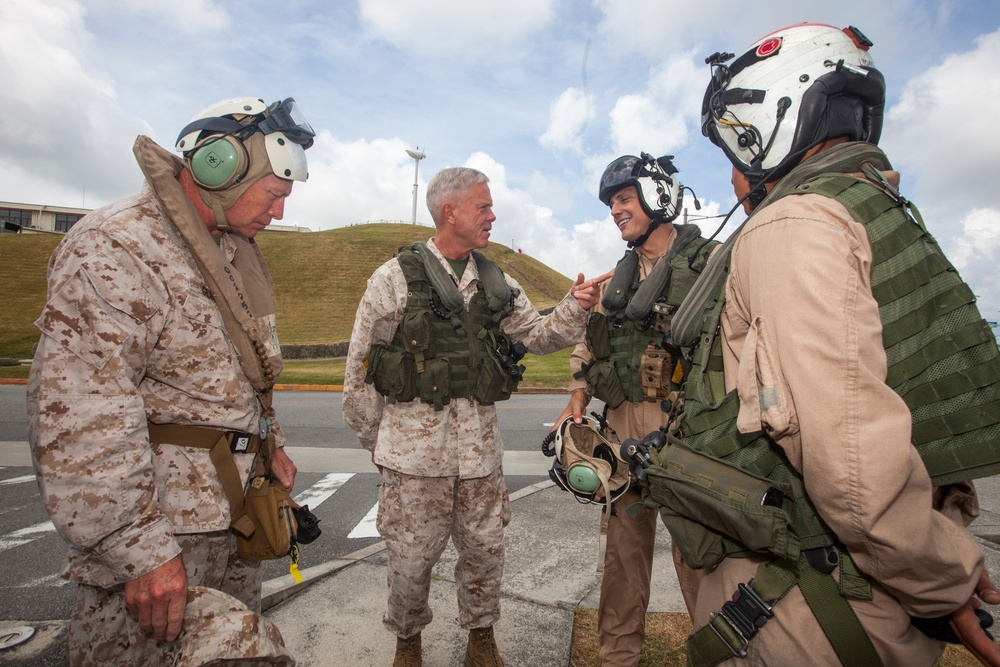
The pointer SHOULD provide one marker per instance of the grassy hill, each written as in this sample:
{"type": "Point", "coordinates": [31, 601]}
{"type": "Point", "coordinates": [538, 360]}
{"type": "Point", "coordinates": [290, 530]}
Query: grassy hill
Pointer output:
{"type": "Point", "coordinates": [319, 276]}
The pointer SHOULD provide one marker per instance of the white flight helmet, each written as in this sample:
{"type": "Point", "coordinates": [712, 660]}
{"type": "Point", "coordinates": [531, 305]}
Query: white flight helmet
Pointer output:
{"type": "Point", "coordinates": [214, 143]}
{"type": "Point", "coordinates": [788, 92]}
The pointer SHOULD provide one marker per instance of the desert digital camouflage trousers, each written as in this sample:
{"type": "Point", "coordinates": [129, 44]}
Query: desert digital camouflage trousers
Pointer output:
{"type": "Point", "coordinates": [416, 516]}
{"type": "Point", "coordinates": [102, 632]}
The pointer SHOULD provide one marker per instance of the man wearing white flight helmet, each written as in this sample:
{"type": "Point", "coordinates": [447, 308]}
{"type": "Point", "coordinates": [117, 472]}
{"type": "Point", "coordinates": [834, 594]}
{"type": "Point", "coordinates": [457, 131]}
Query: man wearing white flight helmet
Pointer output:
{"type": "Point", "coordinates": [159, 336]}
{"type": "Point", "coordinates": [839, 398]}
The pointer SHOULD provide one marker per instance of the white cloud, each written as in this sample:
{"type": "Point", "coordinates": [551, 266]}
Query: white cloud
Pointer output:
{"type": "Point", "coordinates": [935, 128]}
{"type": "Point", "coordinates": [454, 27]}
{"type": "Point", "coordinates": [657, 119]}
{"type": "Point", "coordinates": [191, 16]}
{"type": "Point", "coordinates": [62, 120]}
{"type": "Point", "coordinates": [568, 117]}
{"type": "Point", "coordinates": [949, 163]}
{"type": "Point", "coordinates": [353, 182]}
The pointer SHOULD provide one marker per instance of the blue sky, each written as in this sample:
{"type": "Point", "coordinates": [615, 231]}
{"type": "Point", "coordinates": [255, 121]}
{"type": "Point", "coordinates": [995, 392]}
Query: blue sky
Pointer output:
{"type": "Point", "coordinates": [539, 94]}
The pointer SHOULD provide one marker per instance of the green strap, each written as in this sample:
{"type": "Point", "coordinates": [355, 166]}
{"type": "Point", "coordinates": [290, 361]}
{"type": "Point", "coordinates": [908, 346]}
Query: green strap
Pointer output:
{"type": "Point", "coordinates": [837, 619]}
{"type": "Point", "coordinates": [720, 640]}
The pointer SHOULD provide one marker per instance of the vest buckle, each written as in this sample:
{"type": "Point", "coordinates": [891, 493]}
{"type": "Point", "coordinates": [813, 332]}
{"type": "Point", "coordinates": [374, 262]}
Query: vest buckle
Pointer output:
{"type": "Point", "coordinates": [744, 616]}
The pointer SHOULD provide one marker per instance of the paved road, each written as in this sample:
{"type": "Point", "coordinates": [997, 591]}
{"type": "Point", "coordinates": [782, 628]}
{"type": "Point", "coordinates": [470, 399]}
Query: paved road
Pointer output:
{"type": "Point", "coordinates": [336, 479]}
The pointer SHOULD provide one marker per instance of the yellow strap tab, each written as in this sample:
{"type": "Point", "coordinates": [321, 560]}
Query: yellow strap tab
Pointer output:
{"type": "Point", "coordinates": [293, 567]}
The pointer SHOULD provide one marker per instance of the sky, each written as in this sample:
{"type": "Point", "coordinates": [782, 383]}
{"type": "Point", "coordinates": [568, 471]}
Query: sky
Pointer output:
{"type": "Point", "coordinates": [538, 94]}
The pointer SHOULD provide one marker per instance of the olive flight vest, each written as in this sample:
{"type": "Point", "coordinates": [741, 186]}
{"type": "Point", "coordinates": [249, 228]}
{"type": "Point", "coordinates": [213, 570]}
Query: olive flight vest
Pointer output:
{"type": "Point", "coordinates": [436, 355]}
{"type": "Point", "coordinates": [620, 339]}
{"type": "Point", "coordinates": [723, 493]}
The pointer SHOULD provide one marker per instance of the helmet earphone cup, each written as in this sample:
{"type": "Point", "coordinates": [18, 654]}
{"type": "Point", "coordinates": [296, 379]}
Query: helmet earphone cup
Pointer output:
{"type": "Point", "coordinates": [218, 162]}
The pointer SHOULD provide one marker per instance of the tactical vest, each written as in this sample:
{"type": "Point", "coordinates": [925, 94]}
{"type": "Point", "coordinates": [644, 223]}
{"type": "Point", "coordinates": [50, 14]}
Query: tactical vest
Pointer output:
{"type": "Point", "coordinates": [727, 494]}
{"type": "Point", "coordinates": [631, 362]}
{"type": "Point", "coordinates": [435, 357]}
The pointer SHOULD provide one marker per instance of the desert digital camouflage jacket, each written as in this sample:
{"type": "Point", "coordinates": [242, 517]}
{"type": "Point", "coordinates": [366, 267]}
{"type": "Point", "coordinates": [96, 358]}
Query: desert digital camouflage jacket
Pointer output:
{"type": "Point", "coordinates": [130, 333]}
{"type": "Point", "coordinates": [413, 438]}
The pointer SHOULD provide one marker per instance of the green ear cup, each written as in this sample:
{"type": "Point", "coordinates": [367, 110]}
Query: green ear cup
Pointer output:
{"type": "Point", "coordinates": [583, 479]}
{"type": "Point", "coordinates": [216, 163]}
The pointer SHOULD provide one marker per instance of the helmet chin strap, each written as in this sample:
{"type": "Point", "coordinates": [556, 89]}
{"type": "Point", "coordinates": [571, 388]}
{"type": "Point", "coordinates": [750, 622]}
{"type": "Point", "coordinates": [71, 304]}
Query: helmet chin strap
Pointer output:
{"type": "Point", "coordinates": [220, 218]}
{"type": "Point", "coordinates": [645, 236]}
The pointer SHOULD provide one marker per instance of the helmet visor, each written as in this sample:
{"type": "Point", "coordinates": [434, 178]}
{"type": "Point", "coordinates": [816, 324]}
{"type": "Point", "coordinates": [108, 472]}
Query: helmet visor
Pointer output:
{"type": "Point", "coordinates": [616, 175]}
{"type": "Point", "coordinates": [287, 118]}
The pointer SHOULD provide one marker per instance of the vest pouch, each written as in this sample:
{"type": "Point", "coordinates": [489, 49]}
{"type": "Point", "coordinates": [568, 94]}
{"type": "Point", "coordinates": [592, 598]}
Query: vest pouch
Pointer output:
{"type": "Point", "coordinates": [695, 488]}
{"type": "Point", "coordinates": [415, 329]}
{"type": "Point", "coordinates": [435, 382]}
{"type": "Point", "coordinates": [492, 382]}
{"type": "Point", "coordinates": [604, 380]}
{"type": "Point", "coordinates": [392, 372]}
{"type": "Point", "coordinates": [272, 511]}
{"type": "Point", "coordinates": [597, 336]}
{"type": "Point", "coordinates": [656, 372]}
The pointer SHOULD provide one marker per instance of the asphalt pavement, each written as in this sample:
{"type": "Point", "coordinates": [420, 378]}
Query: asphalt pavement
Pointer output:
{"type": "Point", "coordinates": [333, 618]}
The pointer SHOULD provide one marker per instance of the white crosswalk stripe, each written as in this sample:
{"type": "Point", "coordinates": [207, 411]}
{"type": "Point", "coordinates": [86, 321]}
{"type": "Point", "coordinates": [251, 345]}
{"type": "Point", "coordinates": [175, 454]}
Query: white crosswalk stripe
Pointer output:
{"type": "Point", "coordinates": [17, 480]}
{"type": "Point", "coordinates": [366, 527]}
{"type": "Point", "coordinates": [26, 535]}
{"type": "Point", "coordinates": [323, 489]}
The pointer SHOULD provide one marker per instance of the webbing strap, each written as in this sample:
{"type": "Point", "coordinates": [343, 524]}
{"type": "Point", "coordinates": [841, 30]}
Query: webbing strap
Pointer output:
{"type": "Point", "coordinates": [922, 317]}
{"type": "Point", "coordinates": [837, 619]}
{"type": "Point", "coordinates": [217, 442]}
{"type": "Point", "coordinates": [961, 339]}
{"type": "Point", "coordinates": [722, 639]}
{"type": "Point", "coordinates": [956, 423]}
{"type": "Point", "coordinates": [953, 385]}
{"type": "Point", "coordinates": [729, 632]}
{"type": "Point", "coordinates": [911, 279]}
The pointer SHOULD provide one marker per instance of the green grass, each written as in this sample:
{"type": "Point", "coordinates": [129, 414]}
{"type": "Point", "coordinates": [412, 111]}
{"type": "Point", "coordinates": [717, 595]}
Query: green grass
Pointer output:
{"type": "Point", "coordinates": [319, 278]}
{"type": "Point", "coordinates": [548, 372]}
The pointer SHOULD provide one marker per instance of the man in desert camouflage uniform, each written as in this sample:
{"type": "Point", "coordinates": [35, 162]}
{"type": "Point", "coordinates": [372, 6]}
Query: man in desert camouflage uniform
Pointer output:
{"type": "Point", "coordinates": [433, 433]}
{"type": "Point", "coordinates": [161, 311]}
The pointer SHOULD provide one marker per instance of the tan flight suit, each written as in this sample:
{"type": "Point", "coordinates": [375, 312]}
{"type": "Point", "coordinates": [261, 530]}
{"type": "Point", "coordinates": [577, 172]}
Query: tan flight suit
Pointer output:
{"type": "Point", "coordinates": [442, 469]}
{"type": "Point", "coordinates": [130, 333]}
{"type": "Point", "coordinates": [628, 562]}
{"type": "Point", "coordinates": [802, 342]}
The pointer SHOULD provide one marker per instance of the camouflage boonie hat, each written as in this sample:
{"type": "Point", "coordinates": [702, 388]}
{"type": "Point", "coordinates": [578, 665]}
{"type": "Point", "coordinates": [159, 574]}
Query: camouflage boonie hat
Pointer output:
{"type": "Point", "coordinates": [220, 631]}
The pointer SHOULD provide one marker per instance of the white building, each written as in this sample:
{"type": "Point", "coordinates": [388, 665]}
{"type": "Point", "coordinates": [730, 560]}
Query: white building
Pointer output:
{"type": "Point", "coordinates": [43, 219]}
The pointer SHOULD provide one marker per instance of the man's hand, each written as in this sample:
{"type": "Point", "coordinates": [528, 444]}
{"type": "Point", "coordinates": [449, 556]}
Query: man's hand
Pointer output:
{"type": "Point", "coordinates": [967, 626]}
{"type": "Point", "coordinates": [283, 469]}
{"type": "Point", "coordinates": [157, 599]}
{"type": "Point", "coordinates": [576, 408]}
{"type": "Point", "coordinates": [586, 291]}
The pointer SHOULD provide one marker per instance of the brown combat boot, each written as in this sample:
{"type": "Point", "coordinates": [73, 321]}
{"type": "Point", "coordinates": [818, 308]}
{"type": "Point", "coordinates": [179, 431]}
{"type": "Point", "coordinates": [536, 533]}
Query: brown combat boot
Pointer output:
{"type": "Point", "coordinates": [482, 650]}
{"type": "Point", "coordinates": [408, 652]}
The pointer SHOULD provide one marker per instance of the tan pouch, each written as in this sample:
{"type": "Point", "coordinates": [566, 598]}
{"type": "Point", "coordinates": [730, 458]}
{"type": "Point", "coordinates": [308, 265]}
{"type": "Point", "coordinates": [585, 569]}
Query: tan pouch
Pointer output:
{"type": "Point", "coordinates": [270, 509]}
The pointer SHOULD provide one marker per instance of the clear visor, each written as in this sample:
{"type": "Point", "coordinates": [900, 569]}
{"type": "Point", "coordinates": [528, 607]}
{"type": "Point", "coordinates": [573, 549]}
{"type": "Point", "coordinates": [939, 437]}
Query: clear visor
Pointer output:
{"type": "Point", "coordinates": [287, 118]}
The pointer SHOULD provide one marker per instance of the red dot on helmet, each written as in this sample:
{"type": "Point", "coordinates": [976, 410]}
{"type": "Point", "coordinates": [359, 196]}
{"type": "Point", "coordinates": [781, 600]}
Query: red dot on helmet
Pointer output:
{"type": "Point", "coordinates": [769, 47]}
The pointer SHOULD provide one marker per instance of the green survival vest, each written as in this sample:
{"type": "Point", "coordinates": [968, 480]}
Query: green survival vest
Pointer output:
{"type": "Point", "coordinates": [619, 340]}
{"type": "Point", "coordinates": [722, 493]}
{"type": "Point", "coordinates": [436, 354]}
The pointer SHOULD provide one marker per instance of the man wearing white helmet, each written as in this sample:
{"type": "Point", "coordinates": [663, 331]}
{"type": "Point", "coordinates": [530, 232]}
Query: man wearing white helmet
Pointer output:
{"type": "Point", "coordinates": [831, 422]}
{"type": "Point", "coordinates": [159, 334]}
{"type": "Point", "coordinates": [629, 362]}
